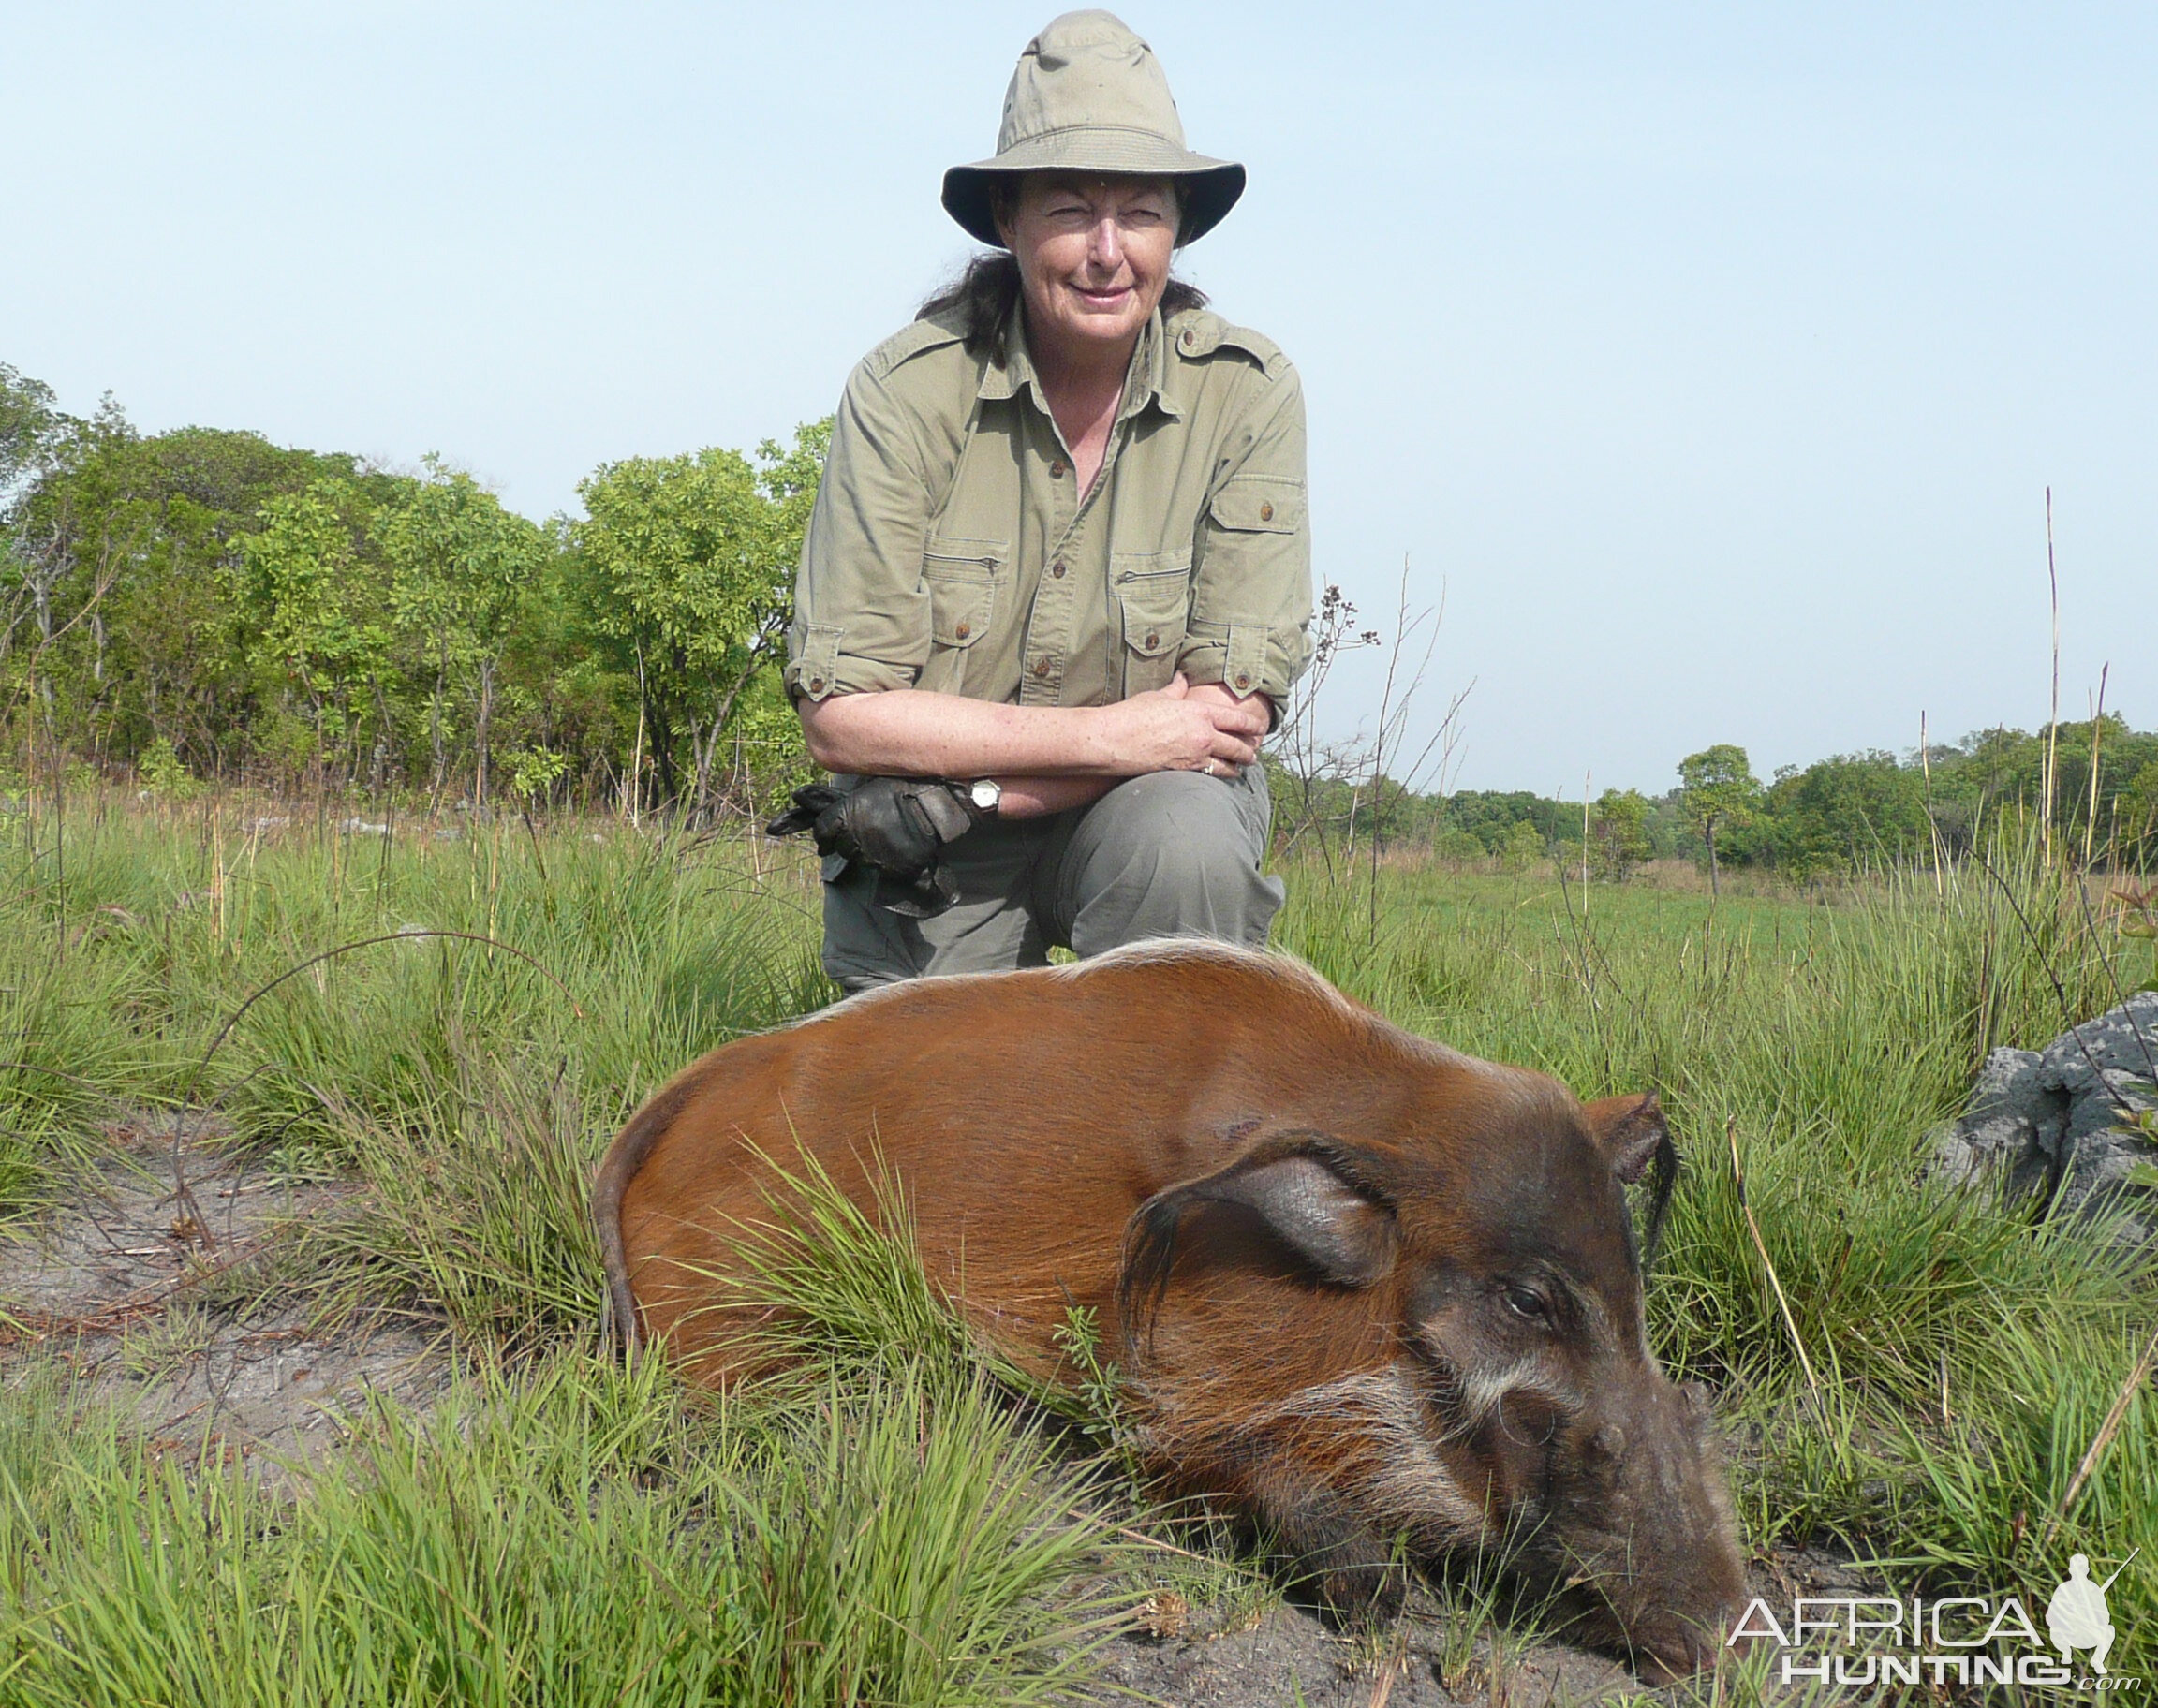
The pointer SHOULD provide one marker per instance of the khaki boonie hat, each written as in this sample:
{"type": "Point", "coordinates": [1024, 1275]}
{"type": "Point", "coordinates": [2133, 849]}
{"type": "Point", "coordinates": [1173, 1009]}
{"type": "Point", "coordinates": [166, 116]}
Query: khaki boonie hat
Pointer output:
{"type": "Point", "coordinates": [1089, 97]}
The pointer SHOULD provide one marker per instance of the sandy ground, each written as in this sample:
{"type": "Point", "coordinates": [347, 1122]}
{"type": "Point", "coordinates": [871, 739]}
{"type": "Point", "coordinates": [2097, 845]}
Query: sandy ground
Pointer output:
{"type": "Point", "coordinates": [137, 1288]}
{"type": "Point", "coordinates": [1281, 1655]}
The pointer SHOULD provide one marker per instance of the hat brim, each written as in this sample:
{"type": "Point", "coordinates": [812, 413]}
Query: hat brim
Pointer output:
{"type": "Point", "coordinates": [1207, 187]}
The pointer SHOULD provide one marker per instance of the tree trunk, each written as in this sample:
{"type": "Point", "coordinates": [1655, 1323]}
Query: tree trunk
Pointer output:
{"type": "Point", "coordinates": [709, 749]}
{"type": "Point", "coordinates": [634, 789]}
{"type": "Point", "coordinates": [1714, 894]}
{"type": "Point", "coordinates": [479, 735]}
{"type": "Point", "coordinates": [434, 722]}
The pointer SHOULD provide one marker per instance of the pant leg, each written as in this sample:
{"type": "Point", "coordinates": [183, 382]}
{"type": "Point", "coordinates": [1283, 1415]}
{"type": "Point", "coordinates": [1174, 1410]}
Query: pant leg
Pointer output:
{"type": "Point", "coordinates": [1170, 854]}
{"type": "Point", "coordinates": [990, 927]}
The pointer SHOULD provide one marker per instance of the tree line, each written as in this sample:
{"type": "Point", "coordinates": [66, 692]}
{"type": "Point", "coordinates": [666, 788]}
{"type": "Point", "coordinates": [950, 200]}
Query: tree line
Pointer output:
{"type": "Point", "coordinates": [202, 606]}
{"type": "Point", "coordinates": [2089, 787]}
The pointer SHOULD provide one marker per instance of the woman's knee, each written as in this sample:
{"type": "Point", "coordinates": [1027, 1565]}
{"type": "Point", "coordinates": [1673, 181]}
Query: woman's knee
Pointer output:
{"type": "Point", "coordinates": [1177, 855]}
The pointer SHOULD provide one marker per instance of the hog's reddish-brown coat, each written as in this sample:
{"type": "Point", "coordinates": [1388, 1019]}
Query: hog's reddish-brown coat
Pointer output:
{"type": "Point", "coordinates": [1028, 1115]}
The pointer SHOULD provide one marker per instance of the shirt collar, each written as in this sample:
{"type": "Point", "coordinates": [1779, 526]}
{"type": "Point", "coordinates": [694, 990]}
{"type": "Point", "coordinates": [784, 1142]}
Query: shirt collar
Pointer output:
{"type": "Point", "coordinates": [1146, 380]}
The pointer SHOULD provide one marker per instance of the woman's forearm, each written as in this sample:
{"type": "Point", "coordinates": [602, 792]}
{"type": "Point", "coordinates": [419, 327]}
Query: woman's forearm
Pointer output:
{"type": "Point", "coordinates": [1037, 797]}
{"type": "Point", "coordinates": [912, 732]}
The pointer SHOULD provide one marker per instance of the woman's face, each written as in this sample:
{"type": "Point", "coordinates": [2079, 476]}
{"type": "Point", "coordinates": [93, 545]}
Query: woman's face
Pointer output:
{"type": "Point", "coordinates": [1093, 256]}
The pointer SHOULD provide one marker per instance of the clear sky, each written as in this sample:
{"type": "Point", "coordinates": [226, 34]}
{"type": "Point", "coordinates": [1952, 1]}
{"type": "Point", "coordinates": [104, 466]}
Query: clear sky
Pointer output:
{"type": "Point", "coordinates": [1715, 358]}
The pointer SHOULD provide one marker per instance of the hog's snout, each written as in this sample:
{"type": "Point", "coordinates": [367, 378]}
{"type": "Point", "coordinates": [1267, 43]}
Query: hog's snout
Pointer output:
{"type": "Point", "coordinates": [1642, 1524]}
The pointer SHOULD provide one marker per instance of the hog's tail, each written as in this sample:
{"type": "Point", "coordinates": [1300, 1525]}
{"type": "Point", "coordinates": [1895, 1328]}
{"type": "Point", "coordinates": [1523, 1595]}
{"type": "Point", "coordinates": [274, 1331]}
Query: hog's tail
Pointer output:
{"type": "Point", "coordinates": [618, 1168]}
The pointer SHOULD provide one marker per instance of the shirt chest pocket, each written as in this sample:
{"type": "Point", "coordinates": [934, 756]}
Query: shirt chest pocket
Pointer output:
{"type": "Point", "coordinates": [1154, 603]}
{"type": "Point", "coordinates": [961, 576]}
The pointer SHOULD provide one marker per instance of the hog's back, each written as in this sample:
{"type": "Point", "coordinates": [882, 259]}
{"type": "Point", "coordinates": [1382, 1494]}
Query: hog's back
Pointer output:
{"type": "Point", "coordinates": [1022, 1117]}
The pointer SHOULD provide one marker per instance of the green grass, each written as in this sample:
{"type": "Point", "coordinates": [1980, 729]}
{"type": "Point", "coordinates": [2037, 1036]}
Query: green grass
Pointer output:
{"type": "Point", "coordinates": [571, 1535]}
{"type": "Point", "coordinates": [1966, 1357]}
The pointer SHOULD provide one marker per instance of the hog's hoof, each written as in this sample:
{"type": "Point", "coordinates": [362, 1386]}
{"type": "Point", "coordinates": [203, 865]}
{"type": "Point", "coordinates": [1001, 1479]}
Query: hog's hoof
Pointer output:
{"type": "Point", "coordinates": [1353, 1597]}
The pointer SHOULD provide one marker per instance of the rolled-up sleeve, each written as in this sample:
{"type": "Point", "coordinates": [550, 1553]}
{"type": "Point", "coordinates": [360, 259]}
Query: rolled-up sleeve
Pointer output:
{"type": "Point", "coordinates": [861, 610]}
{"type": "Point", "coordinates": [1251, 574]}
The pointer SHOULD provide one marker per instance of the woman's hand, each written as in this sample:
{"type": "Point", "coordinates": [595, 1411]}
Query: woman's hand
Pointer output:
{"type": "Point", "coordinates": [1182, 728]}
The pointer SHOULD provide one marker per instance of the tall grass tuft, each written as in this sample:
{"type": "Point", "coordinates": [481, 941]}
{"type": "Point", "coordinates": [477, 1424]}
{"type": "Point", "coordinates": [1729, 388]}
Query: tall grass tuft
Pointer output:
{"type": "Point", "coordinates": [474, 1206]}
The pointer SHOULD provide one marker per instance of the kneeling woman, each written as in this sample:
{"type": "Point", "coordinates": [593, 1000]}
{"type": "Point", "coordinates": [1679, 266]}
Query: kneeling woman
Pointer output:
{"type": "Point", "coordinates": [1058, 580]}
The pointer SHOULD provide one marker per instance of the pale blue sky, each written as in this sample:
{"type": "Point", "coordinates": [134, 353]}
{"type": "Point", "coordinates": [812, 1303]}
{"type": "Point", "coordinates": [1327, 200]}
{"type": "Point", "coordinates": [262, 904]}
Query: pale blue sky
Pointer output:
{"type": "Point", "coordinates": [1716, 357]}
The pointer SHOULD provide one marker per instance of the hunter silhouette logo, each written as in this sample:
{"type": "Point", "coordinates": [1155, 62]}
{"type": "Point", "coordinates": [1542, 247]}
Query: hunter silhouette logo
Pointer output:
{"type": "Point", "coordinates": [2075, 1617]}
{"type": "Point", "coordinates": [1949, 1640]}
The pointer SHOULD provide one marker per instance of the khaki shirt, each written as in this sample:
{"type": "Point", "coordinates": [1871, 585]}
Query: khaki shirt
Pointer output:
{"type": "Point", "coordinates": [951, 551]}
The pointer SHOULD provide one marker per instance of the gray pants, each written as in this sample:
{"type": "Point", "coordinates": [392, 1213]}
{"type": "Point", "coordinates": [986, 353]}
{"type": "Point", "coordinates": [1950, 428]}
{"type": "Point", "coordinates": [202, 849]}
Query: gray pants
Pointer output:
{"type": "Point", "coordinates": [1172, 854]}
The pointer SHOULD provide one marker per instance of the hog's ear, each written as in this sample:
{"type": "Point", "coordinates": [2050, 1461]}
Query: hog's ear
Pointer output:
{"type": "Point", "coordinates": [1632, 1135]}
{"type": "Point", "coordinates": [1338, 1227]}
{"type": "Point", "coordinates": [1303, 1192]}
{"type": "Point", "coordinates": [1631, 1131]}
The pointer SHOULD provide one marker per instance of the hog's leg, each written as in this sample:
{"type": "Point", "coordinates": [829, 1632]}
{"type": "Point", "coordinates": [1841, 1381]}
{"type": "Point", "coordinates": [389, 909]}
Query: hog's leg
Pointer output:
{"type": "Point", "coordinates": [1339, 1558]}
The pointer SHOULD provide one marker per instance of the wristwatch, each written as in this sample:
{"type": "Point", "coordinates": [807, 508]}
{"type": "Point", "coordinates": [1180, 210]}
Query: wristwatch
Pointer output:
{"type": "Point", "coordinates": [985, 794]}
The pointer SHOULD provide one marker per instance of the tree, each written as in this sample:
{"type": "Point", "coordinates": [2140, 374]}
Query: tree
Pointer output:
{"type": "Point", "coordinates": [31, 432]}
{"type": "Point", "coordinates": [80, 525]}
{"type": "Point", "coordinates": [689, 566]}
{"type": "Point", "coordinates": [1618, 836]}
{"type": "Point", "coordinates": [461, 566]}
{"type": "Point", "coordinates": [1717, 787]}
{"type": "Point", "coordinates": [310, 618]}
{"type": "Point", "coordinates": [1846, 813]}
{"type": "Point", "coordinates": [1521, 848]}
{"type": "Point", "coordinates": [2137, 832]}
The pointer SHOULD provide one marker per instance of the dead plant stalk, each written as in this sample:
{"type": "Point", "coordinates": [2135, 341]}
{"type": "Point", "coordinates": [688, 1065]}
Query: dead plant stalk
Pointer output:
{"type": "Point", "coordinates": [1752, 1227]}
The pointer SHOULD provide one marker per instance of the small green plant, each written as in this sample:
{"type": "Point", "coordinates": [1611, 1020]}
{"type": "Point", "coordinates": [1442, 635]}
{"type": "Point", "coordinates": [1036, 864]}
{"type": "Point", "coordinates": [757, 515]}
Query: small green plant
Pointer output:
{"type": "Point", "coordinates": [300, 1162]}
{"type": "Point", "coordinates": [165, 774]}
{"type": "Point", "coordinates": [534, 772]}
{"type": "Point", "coordinates": [168, 1341]}
{"type": "Point", "coordinates": [1097, 1409]}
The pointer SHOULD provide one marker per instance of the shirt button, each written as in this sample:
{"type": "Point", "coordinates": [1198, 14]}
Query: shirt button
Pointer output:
{"type": "Point", "coordinates": [1041, 667]}
{"type": "Point", "coordinates": [1056, 570]}
{"type": "Point", "coordinates": [964, 630]}
{"type": "Point", "coordinates": [1153, 641]}
{"type": "Point", "coordinates": [1266, 512]}
{"type": "Point", "coordinates": [1242, 678]}
{"type": "Point", "coordinates": [1189, 339]}
{"type": "Point", "coordinates": [816, 685]}
{"type": "Point", "coordinates": [1056, 469]}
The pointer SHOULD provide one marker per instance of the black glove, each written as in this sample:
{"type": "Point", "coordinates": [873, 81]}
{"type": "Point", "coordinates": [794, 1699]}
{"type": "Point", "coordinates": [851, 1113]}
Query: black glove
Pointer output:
{"type": "Point", "coordinates": [897, 826]}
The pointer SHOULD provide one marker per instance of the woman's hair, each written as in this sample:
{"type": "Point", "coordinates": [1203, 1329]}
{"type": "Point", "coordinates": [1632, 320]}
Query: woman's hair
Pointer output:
{"type": "Point", "coordinates": [987, 294]}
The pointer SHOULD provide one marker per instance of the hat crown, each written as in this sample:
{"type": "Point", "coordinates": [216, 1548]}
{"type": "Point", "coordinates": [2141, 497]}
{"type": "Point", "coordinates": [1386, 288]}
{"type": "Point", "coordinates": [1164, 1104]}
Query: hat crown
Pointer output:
{"type": "Point", "coordinates": [1088, 70]}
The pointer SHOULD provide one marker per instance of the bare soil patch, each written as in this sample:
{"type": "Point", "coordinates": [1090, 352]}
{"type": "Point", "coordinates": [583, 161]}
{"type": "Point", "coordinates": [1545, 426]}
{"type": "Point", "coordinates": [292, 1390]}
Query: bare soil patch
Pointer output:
{"type": "Point", "coordinates": [1278, 1654]}
{"type": "Point", "coordinates": [152, 1287]}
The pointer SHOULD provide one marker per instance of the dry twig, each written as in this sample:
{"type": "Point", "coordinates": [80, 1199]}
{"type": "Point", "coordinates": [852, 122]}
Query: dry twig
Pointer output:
{"type": "Point", "coordinates": [1790, 1322]}
{"type": "Point", "coordinates": [2106, 1431]}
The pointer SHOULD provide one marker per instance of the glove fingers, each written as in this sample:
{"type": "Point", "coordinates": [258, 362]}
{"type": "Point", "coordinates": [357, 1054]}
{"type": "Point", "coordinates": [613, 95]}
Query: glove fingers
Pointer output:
{"type": "Point", "coordinates": [811, 802]}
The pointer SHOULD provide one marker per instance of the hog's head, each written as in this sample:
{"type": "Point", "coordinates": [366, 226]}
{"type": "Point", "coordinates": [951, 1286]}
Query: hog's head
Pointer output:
{"type": "Point", "coordinates": [1440, 1337]}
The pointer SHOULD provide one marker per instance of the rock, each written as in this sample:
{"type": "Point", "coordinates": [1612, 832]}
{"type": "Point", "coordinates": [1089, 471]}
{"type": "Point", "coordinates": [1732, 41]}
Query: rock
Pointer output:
{"type": "Point", "coordinates": [2056, 1120]}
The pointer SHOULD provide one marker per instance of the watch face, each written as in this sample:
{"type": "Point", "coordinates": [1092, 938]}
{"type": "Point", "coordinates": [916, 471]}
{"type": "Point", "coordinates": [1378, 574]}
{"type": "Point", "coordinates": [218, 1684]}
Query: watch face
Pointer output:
{"type": "Point", "coordinates": [986, 792]}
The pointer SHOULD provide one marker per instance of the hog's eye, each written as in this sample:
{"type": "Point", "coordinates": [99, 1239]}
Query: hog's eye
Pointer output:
{"type": "Point", "coordinates": [1528, 1303]}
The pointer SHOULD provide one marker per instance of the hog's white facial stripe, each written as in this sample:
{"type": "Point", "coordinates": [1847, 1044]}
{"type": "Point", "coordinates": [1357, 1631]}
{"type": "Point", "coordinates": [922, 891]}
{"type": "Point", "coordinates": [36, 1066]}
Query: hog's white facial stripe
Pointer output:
{"type": "Point", "coordinates": [1402, 1482]}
